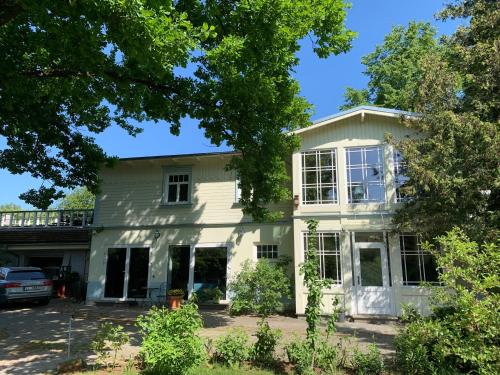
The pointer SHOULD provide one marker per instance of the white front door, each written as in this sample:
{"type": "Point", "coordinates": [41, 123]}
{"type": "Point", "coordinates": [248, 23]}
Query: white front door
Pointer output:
{"type": "Point", "coordinates": [373, 294]}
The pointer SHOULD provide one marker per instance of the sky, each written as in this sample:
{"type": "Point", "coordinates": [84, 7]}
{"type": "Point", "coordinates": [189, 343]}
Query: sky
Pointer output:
{"type": "Point", "coordinates": [323, 82]}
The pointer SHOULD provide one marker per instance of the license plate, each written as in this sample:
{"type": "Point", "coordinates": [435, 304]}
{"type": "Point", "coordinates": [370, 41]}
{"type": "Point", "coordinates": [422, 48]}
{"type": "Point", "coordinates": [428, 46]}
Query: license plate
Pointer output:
{"type": "Point", "coordinates": [32, 288]}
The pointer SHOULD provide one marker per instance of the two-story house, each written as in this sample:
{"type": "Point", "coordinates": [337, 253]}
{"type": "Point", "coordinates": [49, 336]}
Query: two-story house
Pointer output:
{"type": "Point", "coordinates": [175, 222]}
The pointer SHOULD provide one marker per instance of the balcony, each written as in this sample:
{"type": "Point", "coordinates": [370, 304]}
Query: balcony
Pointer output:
{"type": "Point", "coordinates": [46, 219]}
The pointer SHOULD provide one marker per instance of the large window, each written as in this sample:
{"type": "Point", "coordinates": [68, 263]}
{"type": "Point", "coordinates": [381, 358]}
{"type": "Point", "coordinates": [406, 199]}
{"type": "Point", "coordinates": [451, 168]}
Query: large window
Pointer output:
{"type": "Point", "coordinates": [319, 177]}
{"type": "Point", "coordinates": [400, 178]}
{"type": "Point", "coordinates": [267, 251]}
{"type": "Point", "coordinates": [418, 265]}
{"type": "Point", "coordinates": [178, 188]}
{"type": "Point", "coordinates": [328, 245]}
{"type": "Point", "coordinates": [365, 174]}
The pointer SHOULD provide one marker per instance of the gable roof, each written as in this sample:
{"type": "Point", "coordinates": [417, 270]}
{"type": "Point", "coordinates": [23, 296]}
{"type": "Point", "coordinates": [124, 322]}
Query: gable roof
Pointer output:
{"type": "Point", "coordinates": [360, 110]}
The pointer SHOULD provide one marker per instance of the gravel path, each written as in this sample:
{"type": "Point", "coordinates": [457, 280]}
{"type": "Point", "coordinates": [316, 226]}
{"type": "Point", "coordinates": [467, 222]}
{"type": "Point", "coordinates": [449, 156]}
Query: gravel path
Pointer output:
{"type": "Point", "coordinates": [33, 339]}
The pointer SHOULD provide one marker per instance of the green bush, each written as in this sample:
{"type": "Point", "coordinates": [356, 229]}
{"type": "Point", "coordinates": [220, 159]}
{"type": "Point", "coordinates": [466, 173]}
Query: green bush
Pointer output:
{"type": "Point", "coordinates": [409, 313]}
{"type": "Point", "coordinates": [108, 337]}
{"type": "Point", "coordinates": [327, 357]}
{"type": "Point", "coordinates": [232, 349]}
{"type": "Point", "coordinates": [263, 350]}
{"type": "Point", "coordinates": [209, 294]}
{"type": "Point", "coordinates": [259, 288]}
{"type": "Point", "coordinates": [300, 355]}
{"type": "Point", "coordinates": [370, 363]}
{"type": "Point", "coordinates": [170, 344]}
{"type": "Point", "coordinates": [462, 334]}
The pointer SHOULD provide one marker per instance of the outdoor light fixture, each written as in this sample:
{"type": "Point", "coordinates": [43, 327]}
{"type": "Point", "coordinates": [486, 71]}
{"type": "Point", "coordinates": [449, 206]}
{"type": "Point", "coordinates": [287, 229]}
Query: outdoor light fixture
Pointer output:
{"type": "Point", "coordinates": [296, 201]}
{"type": "Point", "coordinates": [157, 234]}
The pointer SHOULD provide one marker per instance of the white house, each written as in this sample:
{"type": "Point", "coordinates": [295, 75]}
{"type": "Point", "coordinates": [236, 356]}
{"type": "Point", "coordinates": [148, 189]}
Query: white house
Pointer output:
{"type": "Point", "coordinates": [175, 221]}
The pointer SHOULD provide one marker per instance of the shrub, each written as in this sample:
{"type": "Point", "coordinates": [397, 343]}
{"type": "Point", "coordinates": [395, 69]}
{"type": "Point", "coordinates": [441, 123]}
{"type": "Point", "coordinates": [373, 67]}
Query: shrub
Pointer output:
{"type": "Point", "coordinates": [263, 350]}
{"type": "Point", "coordinates": [370, 363]}
{"type": "Point", "coordinates": [409, 313]}
{"type": "Point", "coordinates": [232, 349]}
{"type": "Point", "coordinates": [327, 357]}
{"type": "Point", "coordinates": [259, 288]}
{"type": "Point", "coordinates": [170, 344]}
{"type": "Point", "coordinates": [300, 355]}
{"type": "Point", "coordinates": [209, 294]}
{"type": "Point", "coordinates": [462, 335]}
{"type": "Point", "coordinates": [108, 337]}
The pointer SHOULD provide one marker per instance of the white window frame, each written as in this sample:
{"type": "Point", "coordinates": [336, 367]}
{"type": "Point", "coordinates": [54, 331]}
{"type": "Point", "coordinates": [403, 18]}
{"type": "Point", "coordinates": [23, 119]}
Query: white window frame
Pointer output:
{"type": "Point", "coordinates": [275, 249]}
{"type": "Point", "coordinates": [319, 186]}
{"type": "Point", "coordinates": [176, 172]}
{"type": "Point", "coordinates": [321, 254]}
{"type": "Point", "coordinates": [420, 253]}
{"type": "Point", "coordinates": [364, 168]}
{"type": "Point", "coordinates": [237, 189]}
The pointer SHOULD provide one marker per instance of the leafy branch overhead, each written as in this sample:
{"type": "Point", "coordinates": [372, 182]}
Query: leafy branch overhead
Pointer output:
{"type": "Point", "coordinates": [72, 69]}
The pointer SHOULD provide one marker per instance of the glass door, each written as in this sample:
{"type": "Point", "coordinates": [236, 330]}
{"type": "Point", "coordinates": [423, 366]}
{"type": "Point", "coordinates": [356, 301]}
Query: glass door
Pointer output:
{"type": "Point", "coordinates": [127, 270]}
{"type": "Point", "coordinates": [372, 287]}
{"type": "Point", "coordinates": [210, 269]}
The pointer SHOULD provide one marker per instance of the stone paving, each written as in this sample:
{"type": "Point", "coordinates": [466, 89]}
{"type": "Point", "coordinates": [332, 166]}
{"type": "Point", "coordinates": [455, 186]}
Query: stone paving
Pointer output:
{"type": "Point", "coordinates": [34, 339]}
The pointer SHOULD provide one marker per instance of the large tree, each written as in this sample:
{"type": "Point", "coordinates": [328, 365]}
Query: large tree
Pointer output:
{"type": "Point", "coordinates": [71, 69]}
{"type": "Point", "coordinates": [77, 199]}
{"type": "Point", "coordinates": [394, 68]}
{"type": "Point", "coordinates": [453, 169]}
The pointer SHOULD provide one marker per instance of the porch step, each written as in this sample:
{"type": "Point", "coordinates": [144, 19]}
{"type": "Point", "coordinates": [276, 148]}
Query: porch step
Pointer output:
{"type": "Point", "coordinates": [372, 318]}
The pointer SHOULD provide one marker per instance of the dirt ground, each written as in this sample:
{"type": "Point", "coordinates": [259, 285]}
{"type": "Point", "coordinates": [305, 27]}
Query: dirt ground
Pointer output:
{"type": "Point", "coordinates": [34, 339]}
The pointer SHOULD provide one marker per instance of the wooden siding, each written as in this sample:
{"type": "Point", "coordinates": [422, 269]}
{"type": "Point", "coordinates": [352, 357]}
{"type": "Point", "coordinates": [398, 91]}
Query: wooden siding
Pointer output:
{"type": "Point", "coordinates": [132, 194]}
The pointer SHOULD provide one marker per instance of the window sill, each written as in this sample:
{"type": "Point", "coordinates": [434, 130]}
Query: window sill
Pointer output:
{"type": "Point", "coordinates": [187, 204]}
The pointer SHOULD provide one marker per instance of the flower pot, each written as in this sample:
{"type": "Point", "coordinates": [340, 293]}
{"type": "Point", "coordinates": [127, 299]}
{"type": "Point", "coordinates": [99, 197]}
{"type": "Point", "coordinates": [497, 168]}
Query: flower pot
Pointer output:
{"type": "Point", "coordinates": [174, 302]}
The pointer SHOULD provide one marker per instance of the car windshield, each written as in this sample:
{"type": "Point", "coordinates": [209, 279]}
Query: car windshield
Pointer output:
{"type": "Point", "coordinates": [25, 275]}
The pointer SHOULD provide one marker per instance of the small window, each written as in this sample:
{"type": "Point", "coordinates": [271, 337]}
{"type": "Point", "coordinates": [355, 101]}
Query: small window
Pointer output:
{"type": "Point", "coordinates": [328, 245]}
{"type": "Point", "coordinates": [267, 251]}
{"type": "Point", "coordinates": [178, 188]}
{"type": "Point", "coordinates": [237, 189]}
{"type": "Point", "coordinates": [369, 236]}
{"type": "Point", "coordinates": [418, 266]}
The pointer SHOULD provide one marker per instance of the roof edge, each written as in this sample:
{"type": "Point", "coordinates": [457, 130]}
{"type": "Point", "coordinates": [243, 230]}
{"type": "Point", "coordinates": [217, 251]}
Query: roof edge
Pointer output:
{"type": "Point", "coordinates": [391, 112]}
{"type": "Point", "coordinates": [175, 156]}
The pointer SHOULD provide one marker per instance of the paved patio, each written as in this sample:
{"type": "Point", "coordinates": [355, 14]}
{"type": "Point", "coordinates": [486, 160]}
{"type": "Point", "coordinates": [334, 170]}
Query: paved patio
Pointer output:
{"type": "Point", "coordinates": [34, 338]}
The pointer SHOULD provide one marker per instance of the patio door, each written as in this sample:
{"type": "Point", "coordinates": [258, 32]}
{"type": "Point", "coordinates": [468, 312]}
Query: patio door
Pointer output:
{"type": "Point", "coordinates": [373, 294]}
{"type": "Point", "coordinates": [127, 271]}
{"type": "Point", "coordinates": [210, 268]}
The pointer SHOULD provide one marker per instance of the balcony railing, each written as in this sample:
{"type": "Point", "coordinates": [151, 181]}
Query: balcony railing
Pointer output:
{"type": "Point", "coordinates": [49, 218]}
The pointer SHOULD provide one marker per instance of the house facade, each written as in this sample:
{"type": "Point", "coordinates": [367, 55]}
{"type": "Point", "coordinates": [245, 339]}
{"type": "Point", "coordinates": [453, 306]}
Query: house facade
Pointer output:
{"type": "Point", "coordinates": [175, 221]}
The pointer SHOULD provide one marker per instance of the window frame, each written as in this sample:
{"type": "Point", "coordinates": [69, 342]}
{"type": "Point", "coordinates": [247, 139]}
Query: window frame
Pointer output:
{"type": "Point", "coordinates": [364, 168]}
{"type": "Point", "coordinates": [257, 245]}
{"type": "Point", "coordinates": [166, 183]}
{"type": "Point", "coordinates": [420, 254]}
{"type": "Point", "coordinates": [398, 164]}
{"type": "Point", "coordinates": [339, 281]}
{"type": "Point", "coordinates": [319, 184]}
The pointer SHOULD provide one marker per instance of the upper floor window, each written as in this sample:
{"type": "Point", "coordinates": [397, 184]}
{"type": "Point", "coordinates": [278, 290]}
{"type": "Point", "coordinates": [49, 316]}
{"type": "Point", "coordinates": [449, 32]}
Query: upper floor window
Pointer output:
{"type": "Point", "coordinates": [328, 245]}
{"type": "Point", "coordinates": [267, 251]}
{"type": "Point", "coordinates": [319, 177]}
{"type": "Point", "coordinates": [400, 178]}
{"type": "Point", "coordinates": [365, 174]}
{"type": "Point", "coordinates": [418, 266]}
{"type": "Point", "coordinates": [178, 188]}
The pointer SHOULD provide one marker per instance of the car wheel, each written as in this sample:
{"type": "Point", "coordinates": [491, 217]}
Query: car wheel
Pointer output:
{"type": "Point", "coordinates": [44, 302]}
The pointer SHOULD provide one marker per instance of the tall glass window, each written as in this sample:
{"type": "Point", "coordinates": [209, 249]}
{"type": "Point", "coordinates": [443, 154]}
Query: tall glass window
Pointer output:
{"type": "Point", "coordinates": [365, 174]}
{"type": "Point", "coordinates": [319, 177]}
{"type": "Point", "coordinates": [418, 266]}
{"type": "Point", "coordinates": [328, 245]}
{"type": "Point", "coordinates": [400, 178]}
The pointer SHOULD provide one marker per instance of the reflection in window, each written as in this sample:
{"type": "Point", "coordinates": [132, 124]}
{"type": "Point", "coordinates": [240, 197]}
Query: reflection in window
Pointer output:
{"type": "Point", "coordinates": [400, 178]}
{"type": "Point", "coordinates": [319, 177]}
{"type": "Point", "coordinates": [365, 174]}
{"type": "Point", "coordinates": [418, 266]}
{"type": "Point", "coordinates": [328, 245]}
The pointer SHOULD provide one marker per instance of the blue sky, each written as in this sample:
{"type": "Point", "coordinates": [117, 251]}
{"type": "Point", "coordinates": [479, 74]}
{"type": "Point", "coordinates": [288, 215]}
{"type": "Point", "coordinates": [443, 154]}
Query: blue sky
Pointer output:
{"type": "Point", "coordinates": [323, 82]}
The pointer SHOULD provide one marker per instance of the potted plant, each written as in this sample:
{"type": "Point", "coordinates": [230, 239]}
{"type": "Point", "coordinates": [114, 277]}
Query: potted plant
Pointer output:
{"type": "Point", "coordinates": [174, 298]}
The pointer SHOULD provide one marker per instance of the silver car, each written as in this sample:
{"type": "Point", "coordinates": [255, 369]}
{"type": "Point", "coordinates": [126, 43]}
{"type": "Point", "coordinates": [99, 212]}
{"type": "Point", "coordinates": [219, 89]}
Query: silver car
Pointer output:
{"type": "Point", "coordinates": [21, 284]}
